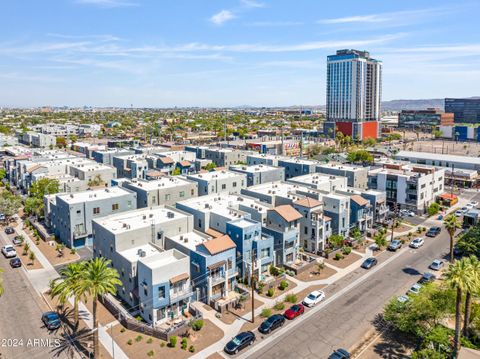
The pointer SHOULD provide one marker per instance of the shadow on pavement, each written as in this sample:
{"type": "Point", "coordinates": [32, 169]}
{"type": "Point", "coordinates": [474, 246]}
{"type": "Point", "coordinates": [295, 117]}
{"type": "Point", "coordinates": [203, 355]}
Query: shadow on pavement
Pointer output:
{"type": "Point", "coordinates": [411, 271]}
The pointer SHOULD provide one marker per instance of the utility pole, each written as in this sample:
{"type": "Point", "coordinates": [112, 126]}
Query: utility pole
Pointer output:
{"type": "Point", "coordinates": [252, 280]}
{"type": "Point", "coordinates": [453, 181]}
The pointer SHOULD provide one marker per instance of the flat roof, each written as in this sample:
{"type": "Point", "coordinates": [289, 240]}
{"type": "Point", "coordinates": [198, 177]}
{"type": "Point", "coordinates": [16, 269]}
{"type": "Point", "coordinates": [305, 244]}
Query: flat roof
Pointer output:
{"type": "Point", "coordinates": [163, 182]}
{"type": "Point", "coordinates": [253, 168]}
{"type": "Point", "coordinates": [439, 157]}
{"type": "Point", "coordinates": [281, 189]}
{"type": "Point", "coordinates": [133, 254]}
{"type": "Point", "coordinates": [139, 218]}
{"type": "Point", "coordinates": [341, 167]}
{"type": "Point", "coordinates": [162, 258]}
{"type": "Point", "coordinates": [225, 204]}
{"type": "Point", "coordinates": [190, 240]}
{"type": "Point", "coordinates": [93, 195]}
{"type": "Point", "coordinates": [209, 176]}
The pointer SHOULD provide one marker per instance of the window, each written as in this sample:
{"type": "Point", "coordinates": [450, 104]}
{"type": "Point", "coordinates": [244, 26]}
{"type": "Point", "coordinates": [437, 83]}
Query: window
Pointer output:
{"type": "Point", "coordinates": [96, 210]}
{"type": "Point", "coordinates": [224, 186]}
{"type": "Point", "coordinates": [234, 184]}
{"type": "Point", "coordinates": [192, 192]}
{"type": "Point", "coordinates": [79, 211]}
{"type": "Point", "coordinates": [181, 194]}
{"type": "Point", "coordinates": [115, 207]}
{"type": "Point", "coordinates": [229, 263]}
{"type": "Point", "coordinates": [196, 267]}
{"type": "Point", "coordinates": [167, 197]}
{"type": "Point", "coordinates": [200, 223]}
{"type": "Point", "coordinates": [161, 292]}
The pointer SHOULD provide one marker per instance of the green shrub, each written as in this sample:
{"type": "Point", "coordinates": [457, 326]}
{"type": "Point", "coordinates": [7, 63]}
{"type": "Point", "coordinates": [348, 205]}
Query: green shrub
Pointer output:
{"type": "Point", "coordinates": [184, 344]}
{"type": "Point", "coordinates": [338, 256]}
{"type": "Point", "coordinates": [149, 341]}
{"type": "Point", "coordinates": [266, 313]}
{"type": "Point", "coordinates": [139, 318]}
{"type": "Point", "coordinates": [283, 285]}
{"type": "Point", "coordinates": [346, 250]}
{"type": "Point", "coordinates": [191, 349]}
{"type": "Point", "coordinates": [138, 338]}
{"type": "Point", "coordinates": [260, 287]}
{"type": "Point", "coordinates": [197, 324]}
{"type": "Point", "coordinates": [162, 344]}
{"type": "Point", "coordinates": [151, 353]}
{"type": "Point", "coordinates": [270, 292]}
{"type": "Point", "coordinates": [130, 342]}
{"type": "Point", "coordinates": [173, 341]}
{"type": "Point", "coordinates": [291, 298]}
{"type": "Point", "coordinates": [279, 306]}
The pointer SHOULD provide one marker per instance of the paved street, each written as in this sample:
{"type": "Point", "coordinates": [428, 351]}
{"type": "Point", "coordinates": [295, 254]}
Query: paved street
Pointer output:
{"type": "Point", "coordinates": [20, 312]}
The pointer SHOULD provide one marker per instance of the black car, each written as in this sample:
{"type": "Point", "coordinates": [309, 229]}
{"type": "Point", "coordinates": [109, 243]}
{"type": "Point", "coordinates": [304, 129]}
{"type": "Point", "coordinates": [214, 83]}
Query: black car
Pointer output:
{"type": "Point", "coordinates": [433, 232]}
{"type": "Point", "coordinates": [9, 230]}
{"type": "Point", "coordinates": [239, 342]}
{"type": "Point", "coordinates": [273, 322]}
{"type": "Point", "coordinates": [369, 263]}
{"type": "Point", "coordinates": [457, 252]}
{"type": "Point", "coordinates": [15, 262]}
{"type": "Point", "coordinates": [339, 354]}
{"type": "Point", "coordinates": [427, 278]}
{"type": "Point", "coordinates": [51, 320]}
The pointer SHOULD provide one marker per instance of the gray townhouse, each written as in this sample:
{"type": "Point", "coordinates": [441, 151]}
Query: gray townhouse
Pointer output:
{"type": "Point", "coordinates": [219, 182]}
{"type": "Point", "coordinates": [70, 216]}
{"type": "Point", "coordinates": [357, 177]}
{"type": "Point", "coordinates": [259, 174]}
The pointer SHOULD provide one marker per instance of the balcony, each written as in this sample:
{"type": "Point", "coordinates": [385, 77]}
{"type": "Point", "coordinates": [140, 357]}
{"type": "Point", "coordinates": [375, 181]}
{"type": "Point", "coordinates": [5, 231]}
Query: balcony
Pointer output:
{"type": "Point", "coordinates": [180, 295]}
{"type": "Point", "coordinates": [214, 280]}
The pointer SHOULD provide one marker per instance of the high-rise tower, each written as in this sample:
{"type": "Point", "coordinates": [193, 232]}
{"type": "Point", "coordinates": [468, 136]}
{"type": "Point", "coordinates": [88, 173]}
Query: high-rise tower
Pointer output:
{"type": "Point", "coordinates": [354, 89]}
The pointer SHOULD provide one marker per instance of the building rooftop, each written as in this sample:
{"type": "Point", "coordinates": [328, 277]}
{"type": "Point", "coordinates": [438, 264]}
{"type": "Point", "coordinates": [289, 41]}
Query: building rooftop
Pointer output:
{"type": "Point", "coordinates": [308, 202]}
{"type": "Point", "coordinates": [219, 244]}
{"type": "Point", "coordinates": [438, 157]}
{"type": "Point", "coordinates": [287, 212]}
{"type": "Point", "coordinates": [225, 204]}
{"type": "Point", "coordinates": [93, 195]}
{"type": "Point", "coordinates": [162, 258]}
{"type": "Point", "coordinates": [161, 183]}
{"type": "Point", "coordinates": [341, 167]}
{"type": "Point", "coordinates": [215, 175]}
{"type": "Point", "coordinates": [253, 169]}
{"type": "Point", "coordinates": [190, 240]}
{"type": "Point", "coordinates": [134, 254]}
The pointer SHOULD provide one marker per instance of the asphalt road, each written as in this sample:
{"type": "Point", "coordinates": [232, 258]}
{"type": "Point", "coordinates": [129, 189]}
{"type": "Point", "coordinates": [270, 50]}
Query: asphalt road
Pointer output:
{"type": "Point", "coordinates": [343, 322]}
{"type": "Point", "coordinates": [22, 334]}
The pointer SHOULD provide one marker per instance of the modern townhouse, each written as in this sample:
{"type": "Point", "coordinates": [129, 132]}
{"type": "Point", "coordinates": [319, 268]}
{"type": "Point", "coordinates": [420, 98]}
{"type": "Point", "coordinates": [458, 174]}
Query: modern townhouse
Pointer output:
{"type": "Point", "coordinates": [224, 157]}
{"type": "Point", "coordinates": [92, 173]}
{"type": "Point", "coordinates": [259, 174]}
{"type": "Point", "coordinates": [264, 159]}
{"type": "Point", "coordinates": [315, 226]}
{"type": "Point", "coordinates": [70, 216]}
{"type": "Point", "coordinates": [296, 167]}
{"type": "Point", "coordinates": [284, 226]}
{"type": "Point", "coordinates": [327, 183]}
{"type": "Point", "coordinates": [337, 207]}
{"type": "Point", "coordinates": [253, 246]}
{"type": "Point", "coordinates": [278, 193]}
{"type": "Point", "coordinates": [163, 191]}
{"type": "Point", "coordinates": [357, 177]}
{"type": "Point", "coordinates": [106, 156]}
{"type": "Point", "coordinates": [407, 186]}
{"type": "Point", "coordinates": [219, 182]}
{"type": "Point", "coordinates": [131, 166]}
{"type": "Point", "coordinates": [378, 201]}
{"type": "Point", "coordinates": [155, 279]}
{"type": "Point", "coordinates": [36, 139]}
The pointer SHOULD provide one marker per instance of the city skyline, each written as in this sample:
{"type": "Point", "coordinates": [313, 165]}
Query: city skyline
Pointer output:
{"type": "Point", "coordinates": [232, 53]}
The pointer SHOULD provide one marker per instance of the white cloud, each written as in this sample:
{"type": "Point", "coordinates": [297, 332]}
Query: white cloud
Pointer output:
{"type": "Point", "coordinates": [252, 3]}
{"type": "Point", "coordinates": [222, 17]}
{"type": "Point", "coordinates": [108, 3]}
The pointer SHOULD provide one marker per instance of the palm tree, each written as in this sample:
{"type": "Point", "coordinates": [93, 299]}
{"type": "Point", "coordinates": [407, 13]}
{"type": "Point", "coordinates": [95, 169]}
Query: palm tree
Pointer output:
{"type": "Point", "coordinates": [459, 276]}
{"type": "Point", "coordinates": [67, 285]}
{"type": "Point", "coordinates": [451, 224]}
{"type": "Point", "coordinates": [473, 286]}
{"type": "Point", "coordinates": [2, 289]}
{"type": "Point", "coordinates": [98, 279]}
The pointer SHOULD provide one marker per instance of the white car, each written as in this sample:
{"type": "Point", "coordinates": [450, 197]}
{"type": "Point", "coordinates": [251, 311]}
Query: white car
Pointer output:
{"type": "Point", "coordinates": [474, 203]}
{"type": "Point", "coordinates": [437, 264]}
{"type": "Point", "coordinates": [9, 251]}
{"type": "Point", "coordinates": [403, 299]}
{"type": "Point", "coordinates": [415, 289]}
{"type": "Point", "coordinates": [464, 209]}
{"type": "Point", "coordinates": [417, 243]}
{"type": "Point", "coordinates": [313, 298]}
{"type": "Point", "coordinates": [469, 206]}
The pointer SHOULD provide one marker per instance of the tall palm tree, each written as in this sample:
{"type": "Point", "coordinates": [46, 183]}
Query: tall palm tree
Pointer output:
{"type": "Point", "coordinates": [98, 279]}
{"type": "Point", "coordinates": [459, 277]}
{"type": "Point", "coordinates": [2, 289]}
{"type": "Point", "coordinates": [451, 224]}
{"type": "Point", "coordinates": [473, 286]}
{"type": "Point", "coordinates": [67, 285]}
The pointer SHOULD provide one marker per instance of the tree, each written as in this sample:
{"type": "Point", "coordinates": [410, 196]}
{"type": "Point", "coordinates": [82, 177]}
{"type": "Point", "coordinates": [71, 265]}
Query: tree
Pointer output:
{"type": "Point", "coordinates": [336, 240]}
{"type": "Point", "coordinates": [96, 181]}
{"type": "Point", "coordinates": [459, 276]}
{"type": "Point", "coordinates": [177, 171]}
{"type": "Point", "coordinates": [356, 234]}
{"type": "Point", "coordinates": [3, 173]}
{"type": "Point", "coordinates": [34, 206]}
{"type": "Point", "coordinates": [451, 224]}
{"type": "Point", "coordinates": [67, 285]}
{"type": "Point", "coordinates": [32, 257]}
{"type": "Point", "coordinates": [43, 187]}
{"type": "Point", "coordinates": [98, 279]}
{"type": "Point", "coordinates": [380, 238]}
{"type": "Point", "coordinates": [210, 166]}
{"type": "Point", "coordinates": [433, 209]}
{"type": "Point", "coordinates": [73, 138]}
{"type": "Point", "coordinates": [370, 142]}
{"type": "Point", "coordinates": [360, 156]}
{"type": "Point", "coordinates": [61, 142]}
{"type": "Point", "coordinates": [9, 203]}
{"type": "Point", "coordinates": [468, 243]}
{"type": "Point", "coordinates": [473, 287]}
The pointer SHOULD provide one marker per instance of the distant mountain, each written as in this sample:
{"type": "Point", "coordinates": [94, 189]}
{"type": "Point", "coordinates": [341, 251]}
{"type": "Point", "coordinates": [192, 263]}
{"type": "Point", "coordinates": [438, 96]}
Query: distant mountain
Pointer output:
{"type": "Point", "coordinates": [398, 105]}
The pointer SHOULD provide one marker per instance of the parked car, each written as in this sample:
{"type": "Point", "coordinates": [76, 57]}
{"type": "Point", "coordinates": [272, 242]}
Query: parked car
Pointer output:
{"type": "Point", "coordinates": [294, 311]}
{"type": "Point", "coordinates": [417, 243]}
{"type": "Point", "coordinates": [407, 213]}
{"type": "Point", "coordinates": [458, 213]}
{"type": "Point", "coordinates": [273, 322]}
{"type": "Point", "coordinates": [239, 342]}
{"type": "Point", "coordinates": [9, 251]}
{"type": "Point", "coordinates": [394, 245]}
{"type": "Point", "coordinates": [403, 299]}
{"type": "Point", "coordinates": [9, 230]}
{"type": "Point", "coordinates": [437, 264]}
{"type": "Point", "coordinates": [369, 262]}
{"type": "Point", "coordinates": [457, 252]}
{"type": "Point", "coordinates": [468, 206]}
{"type": "Point", "coordinates": [51, 320]}
{"type": "Point", "coordinates": [313, 298]}
{"type": "Point", "coordinates": [440, 217]}
{"type": "Point", "coordinates": [427, 278]}
{"type": "Point", "coordinates": [17, 240]}
{"type": "Point", "coordinates": [474, 204]}
{"type": "Point", "coordinates": [15, 262]}
{"type": "Point", "coordinates": [464, 209]}
{"type": "Point", "coordinates": [415, 289]}
{"type": "Point", "coordinates": [2, 217]}
{"type": "Point", "coordinates": [340, 354]}
{"type": "Point", "coordinates": [433, 232]}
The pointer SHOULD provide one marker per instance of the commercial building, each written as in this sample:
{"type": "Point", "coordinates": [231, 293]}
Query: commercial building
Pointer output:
{"type": "Point", "coordinates": [219, 182]}
{"type": "Point", "coordinates": [163, 191]}
{"type": "Point", "coordinates": [440, 160]}
{"type": "Point", "coordinates": [70, 216]}
{"type": "Point", "coordinates": [465, 110]}
{"type": "Point", "coordinates": [354, 89]}
{"type": "Point", "coordinates": [260, 173]}
{"type": "Point", "coordinates": [424, 118]}
{"type": "Point", "coordinates": [409, 186]}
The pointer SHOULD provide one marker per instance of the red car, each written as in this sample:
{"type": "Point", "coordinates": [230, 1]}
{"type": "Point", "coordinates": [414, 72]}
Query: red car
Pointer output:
{"type": "Point", "coordinates": [294, 311]}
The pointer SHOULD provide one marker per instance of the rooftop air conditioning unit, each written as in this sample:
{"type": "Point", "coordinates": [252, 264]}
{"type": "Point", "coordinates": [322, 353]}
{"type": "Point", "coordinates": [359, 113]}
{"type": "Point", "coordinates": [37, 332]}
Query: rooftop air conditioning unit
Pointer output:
{"type": "Point", "coordinates": [144, 216]}
{"type": "Point", "coordinates": [170, 214]}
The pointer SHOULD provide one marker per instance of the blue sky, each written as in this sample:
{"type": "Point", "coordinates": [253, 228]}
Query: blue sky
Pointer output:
{"type": "Point", "coordinates": [160, 53]}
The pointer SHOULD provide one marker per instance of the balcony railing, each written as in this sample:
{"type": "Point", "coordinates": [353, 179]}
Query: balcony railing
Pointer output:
{"type": "Point", "coordinates": [179, 295]}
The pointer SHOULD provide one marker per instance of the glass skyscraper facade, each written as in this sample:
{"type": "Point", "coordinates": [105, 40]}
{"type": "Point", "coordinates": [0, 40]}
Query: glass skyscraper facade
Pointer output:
{"type": "Point", "coordinates": [465, 110]}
